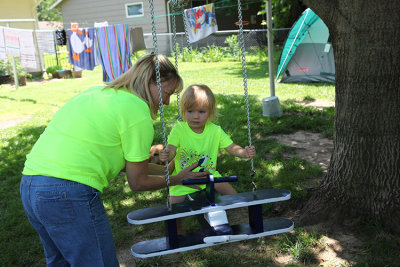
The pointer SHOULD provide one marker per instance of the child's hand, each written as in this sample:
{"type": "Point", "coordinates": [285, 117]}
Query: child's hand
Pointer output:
{"type": "Point", "coordinates": [250, 151]}
{"type": "Point", "coordinates": [155, 151]}
{"type": "Point", "coordinates": [164, 155]}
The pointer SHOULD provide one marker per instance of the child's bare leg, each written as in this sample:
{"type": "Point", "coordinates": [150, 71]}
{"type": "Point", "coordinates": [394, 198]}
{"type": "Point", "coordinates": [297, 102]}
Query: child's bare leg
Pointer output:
{"type": "Point", "coordinates": [225, 189]}
{"type": "Point", "coordinates": [174, 200]}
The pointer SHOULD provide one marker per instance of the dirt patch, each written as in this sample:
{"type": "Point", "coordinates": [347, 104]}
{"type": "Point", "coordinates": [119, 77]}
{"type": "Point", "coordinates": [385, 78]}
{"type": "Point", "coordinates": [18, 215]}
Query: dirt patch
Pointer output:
{"type": "Point", "coordinates": [13, 122]}
{"type": "Point", "coordinates": [310, 146]}
{"type": "Point", "coordinates": [320, 104]}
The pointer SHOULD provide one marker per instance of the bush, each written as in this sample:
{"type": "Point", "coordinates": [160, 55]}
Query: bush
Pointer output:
{"type": "Point", "coordinates": [53, 70]}
{"type": "Point", "coordinates": [4, 68]}
{"type": "Point", "coordinates": [233, 49]}
{"type": "Point", "coordinates": [7, 69]}
{"type": "Point", "coordinates": [212, 54]}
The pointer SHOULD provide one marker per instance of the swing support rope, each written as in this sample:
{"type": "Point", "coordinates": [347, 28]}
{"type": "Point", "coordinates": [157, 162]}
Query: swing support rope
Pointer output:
{"type": "Point", "coordinates": [175, 5]}
{"type": "Point", "coordinates": [246, 94]}
{"type": "Point", "coordinates": [160, 103]}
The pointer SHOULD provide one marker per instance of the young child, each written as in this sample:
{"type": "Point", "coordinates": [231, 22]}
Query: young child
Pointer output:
{"type": "Point", "coordinates": [197, 139]}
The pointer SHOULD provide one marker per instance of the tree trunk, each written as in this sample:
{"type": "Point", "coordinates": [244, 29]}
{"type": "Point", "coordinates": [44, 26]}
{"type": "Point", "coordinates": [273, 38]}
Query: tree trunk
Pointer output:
{"type": "Point", "coordinates": [363, 179]}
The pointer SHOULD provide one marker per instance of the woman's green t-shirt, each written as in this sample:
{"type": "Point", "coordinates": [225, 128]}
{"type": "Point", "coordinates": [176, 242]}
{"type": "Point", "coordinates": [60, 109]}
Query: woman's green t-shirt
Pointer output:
{"type": "Point", "coordinates": [91, 136]}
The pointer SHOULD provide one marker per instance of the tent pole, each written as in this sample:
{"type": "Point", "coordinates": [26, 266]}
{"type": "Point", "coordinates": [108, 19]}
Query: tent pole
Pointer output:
{"type": "Point", "coordinates": [270, 48]}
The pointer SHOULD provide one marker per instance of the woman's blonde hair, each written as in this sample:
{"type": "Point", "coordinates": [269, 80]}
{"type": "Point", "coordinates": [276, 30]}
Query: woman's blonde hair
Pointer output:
{"type": "Point", "coordinates": [138, 78]}
{"type": "Point", "coordinates": [198, 95]}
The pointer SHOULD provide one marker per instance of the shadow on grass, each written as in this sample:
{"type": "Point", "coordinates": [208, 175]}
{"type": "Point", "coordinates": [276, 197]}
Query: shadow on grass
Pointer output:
{"type": "Point", "coordinates": [19, 242]}
{"type": "Point", "coordinates": [19, 100]}
{"type": "Point", "coordinates": [119, 200]}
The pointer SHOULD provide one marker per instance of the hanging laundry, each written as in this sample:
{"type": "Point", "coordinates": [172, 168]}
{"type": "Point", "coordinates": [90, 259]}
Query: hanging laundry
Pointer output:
{"type": "Point", "coordinates": [113, 45]}
{"type": "Point", "coordinates": [3, 55]}
{"type": "Point", "coordinates": [46, 41]}
{"type": "Point", "coordinates": [101, 24]}
{"type": "Point", "coordinates": [81, 47]}
{"type": "Point", "coordinates": [11, 38]}
{"type": "Point", "coordinates": [61, 37]}
{"type": "Point", "coordinates": [200, 22]}
{"type": "Point", "coordinates": [27, 49]}
{"type": "Point", "coordinates": [136, 40]}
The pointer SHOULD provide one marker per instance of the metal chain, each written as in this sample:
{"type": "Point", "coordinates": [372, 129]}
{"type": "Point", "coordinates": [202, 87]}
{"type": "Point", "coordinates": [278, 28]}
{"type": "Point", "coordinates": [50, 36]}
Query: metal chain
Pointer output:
{"type": "Point", "coordinates": [185, 26]}
{"type": "Point", "coordinates": [160, 102]}
{"type": "Point", "coordinates": [173, 8]}
{"type": "Point", "coordinates": [246, 94]}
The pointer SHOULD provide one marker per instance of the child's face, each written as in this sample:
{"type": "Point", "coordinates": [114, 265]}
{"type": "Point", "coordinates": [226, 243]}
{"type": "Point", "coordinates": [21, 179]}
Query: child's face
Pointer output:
{"type": "Point", "coordinates": [197, 117]}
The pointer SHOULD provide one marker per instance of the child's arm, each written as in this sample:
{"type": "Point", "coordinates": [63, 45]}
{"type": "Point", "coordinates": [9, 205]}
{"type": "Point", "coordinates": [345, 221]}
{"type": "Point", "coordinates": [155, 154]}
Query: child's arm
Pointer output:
{"type": "Point", "coordinates": [168, 153]}
{"type": "Point", "coordinates": [238, 151]}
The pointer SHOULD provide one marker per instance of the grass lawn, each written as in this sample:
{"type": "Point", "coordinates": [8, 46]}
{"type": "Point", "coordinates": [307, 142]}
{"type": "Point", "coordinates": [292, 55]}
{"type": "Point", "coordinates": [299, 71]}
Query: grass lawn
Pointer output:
{"type": "Point", "coordinates": [38, 101]}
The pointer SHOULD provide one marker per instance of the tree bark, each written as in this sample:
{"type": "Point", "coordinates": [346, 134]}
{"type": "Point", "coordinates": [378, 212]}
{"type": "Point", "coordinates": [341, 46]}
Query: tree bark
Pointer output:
{"type": "Point", "coordinates": [363, 179]}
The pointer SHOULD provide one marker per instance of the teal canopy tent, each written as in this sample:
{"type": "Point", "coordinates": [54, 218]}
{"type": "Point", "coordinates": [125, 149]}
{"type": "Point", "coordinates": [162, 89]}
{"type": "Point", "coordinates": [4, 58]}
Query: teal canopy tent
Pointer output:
{"type": "Point", "coordinates": [307, 55]}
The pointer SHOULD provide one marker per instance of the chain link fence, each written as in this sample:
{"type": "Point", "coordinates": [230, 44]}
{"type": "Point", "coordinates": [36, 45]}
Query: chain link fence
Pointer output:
{"type": "Point", "coordinates": [252, 39]}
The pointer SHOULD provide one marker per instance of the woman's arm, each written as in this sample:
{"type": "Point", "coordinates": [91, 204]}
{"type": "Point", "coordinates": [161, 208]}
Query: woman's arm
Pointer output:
{"type": "Point", "coordinates": [157, 169]}
{"type": "Point", "coordinates": [238, 151]}
{"type": "Point", "coordinates": [139, 178]}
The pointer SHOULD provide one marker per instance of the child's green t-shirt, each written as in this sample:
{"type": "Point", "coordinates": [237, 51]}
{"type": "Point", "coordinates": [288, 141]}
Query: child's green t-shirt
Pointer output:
{"type": "Point", "coordinates": [191, 147]}
{"type": "Point", "coordinates": [91, 136]}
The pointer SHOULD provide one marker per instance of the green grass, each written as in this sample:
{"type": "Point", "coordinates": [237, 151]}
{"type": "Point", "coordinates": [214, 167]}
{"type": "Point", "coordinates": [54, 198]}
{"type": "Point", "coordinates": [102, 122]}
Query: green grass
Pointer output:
{"type": "Point", "coordinates": [37, 103]}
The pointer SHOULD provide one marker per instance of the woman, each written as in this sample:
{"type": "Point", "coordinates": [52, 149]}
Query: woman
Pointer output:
{"type": "Point", "coordinates": [89, 141]}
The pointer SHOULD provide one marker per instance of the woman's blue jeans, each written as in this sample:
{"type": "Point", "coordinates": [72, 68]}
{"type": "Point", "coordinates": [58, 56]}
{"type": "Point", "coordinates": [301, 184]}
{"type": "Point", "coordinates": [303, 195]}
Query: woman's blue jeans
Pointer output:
{"type": "Point", "coordinates": [71, 221]}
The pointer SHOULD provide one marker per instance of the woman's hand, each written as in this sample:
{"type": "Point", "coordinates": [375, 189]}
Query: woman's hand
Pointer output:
{"type": "Point", "coordinates": [187, 173]}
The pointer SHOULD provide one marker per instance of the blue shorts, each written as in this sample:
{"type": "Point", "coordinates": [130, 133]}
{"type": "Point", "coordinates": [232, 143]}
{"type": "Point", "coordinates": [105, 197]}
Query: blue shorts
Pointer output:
{"type": "Point", "coordinates": [71, 221]}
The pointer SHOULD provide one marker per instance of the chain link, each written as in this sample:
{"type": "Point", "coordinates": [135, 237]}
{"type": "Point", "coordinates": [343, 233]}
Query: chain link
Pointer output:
{"type": "Point", "coordinates": [246, 94]}
{"type": "Point", "coordinates": [185, 26]}
{"type": "Point", "coordinates": [160, 102]}
{"type": "Point", "coordinates": [173, 8]}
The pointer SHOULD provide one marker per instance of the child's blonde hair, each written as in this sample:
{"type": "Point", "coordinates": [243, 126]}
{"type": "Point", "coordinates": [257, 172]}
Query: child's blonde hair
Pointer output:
{"type": "Point", "coordinates": [138, 78]}
{"type": "Point", "coordinates": [198, 95]}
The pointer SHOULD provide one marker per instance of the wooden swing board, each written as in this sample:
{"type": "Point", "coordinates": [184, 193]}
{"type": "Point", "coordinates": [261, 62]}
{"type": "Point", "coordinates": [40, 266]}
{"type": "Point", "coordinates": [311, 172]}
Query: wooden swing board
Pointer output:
{"type": "Point", "coordinates": [190, 208]}
{"type": "Point", "coordinates": [191, 241]}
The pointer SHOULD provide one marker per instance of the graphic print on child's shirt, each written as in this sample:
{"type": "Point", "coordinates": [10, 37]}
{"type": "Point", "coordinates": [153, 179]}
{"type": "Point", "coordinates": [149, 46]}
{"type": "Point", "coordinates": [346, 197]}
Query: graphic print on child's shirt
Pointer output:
{"type": "Point", "coordinates": [189, 156]}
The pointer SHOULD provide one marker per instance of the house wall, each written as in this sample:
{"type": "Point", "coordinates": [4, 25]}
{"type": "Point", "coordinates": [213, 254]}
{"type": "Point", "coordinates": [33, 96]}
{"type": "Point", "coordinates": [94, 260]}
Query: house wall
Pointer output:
{"type": "Point", "coordinates": [86, 13]}
{"type": "Point", "coordinates": [20, 9]}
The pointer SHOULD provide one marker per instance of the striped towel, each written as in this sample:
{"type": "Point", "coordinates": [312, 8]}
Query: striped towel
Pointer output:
{"type": "Point", "coordinates": [113, 48]}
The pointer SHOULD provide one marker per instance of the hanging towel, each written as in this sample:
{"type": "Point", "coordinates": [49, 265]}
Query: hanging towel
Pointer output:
{"type": "Point", "coordinates": [11, 38]}
{"type": "Point", "coordinates": [136, 40]}
{"type": "Point", "coordinates": [45, 40]}
{"type": "Point", "coordinates": [101, 24]}
{"type": "Point", "coordinates": [113, 45]}
{"type": "Point", "coordinates": [200, 22]}
{"type": "Point", "coordinates": [27, 49]}
{"type": "Point", "coordinates": [81, 48]}
{"type": "Point", "coordinates": [3, 55]}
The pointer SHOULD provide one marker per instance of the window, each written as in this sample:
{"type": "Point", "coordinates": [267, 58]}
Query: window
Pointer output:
{"type": "Point", "coordinates": [134, 10]}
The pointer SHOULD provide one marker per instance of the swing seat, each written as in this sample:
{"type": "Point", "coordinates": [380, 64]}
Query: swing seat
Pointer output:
{"type": "Point", "coordinates": [190, 208]}
{"type": "Point", "coordinates": [202, 239]}
{"type": "Point", "coordinates": [210, 236]}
